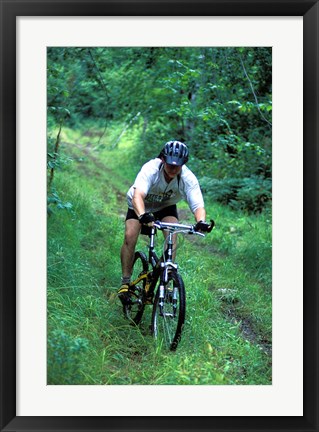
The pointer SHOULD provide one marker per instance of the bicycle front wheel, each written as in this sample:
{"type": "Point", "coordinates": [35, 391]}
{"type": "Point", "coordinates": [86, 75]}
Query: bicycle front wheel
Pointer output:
{"type": "Point", "coordinates": [135, 309]}
{"type": "Point", "coordinates": [168, 314]}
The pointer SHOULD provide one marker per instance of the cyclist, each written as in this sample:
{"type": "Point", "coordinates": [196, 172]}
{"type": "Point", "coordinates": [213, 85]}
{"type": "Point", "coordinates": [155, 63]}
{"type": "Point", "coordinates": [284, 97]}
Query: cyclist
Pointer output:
{"type": "Point", "coordinates": [159, 186]}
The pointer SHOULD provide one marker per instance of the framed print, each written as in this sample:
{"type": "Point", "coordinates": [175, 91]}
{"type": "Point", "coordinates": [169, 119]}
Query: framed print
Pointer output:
{"type": "Point", "coordinates": [35, 394]}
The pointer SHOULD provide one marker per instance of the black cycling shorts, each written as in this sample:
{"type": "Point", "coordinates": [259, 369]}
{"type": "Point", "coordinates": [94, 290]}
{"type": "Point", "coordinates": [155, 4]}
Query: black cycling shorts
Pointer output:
{"type": "Point", "coordinates": [159, 215]}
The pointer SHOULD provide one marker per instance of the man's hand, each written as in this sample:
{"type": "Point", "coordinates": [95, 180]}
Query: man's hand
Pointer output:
{"type": "Point", "coordinates": [204, 226]}
{"type": "Point", "coordinates": [147, 219]}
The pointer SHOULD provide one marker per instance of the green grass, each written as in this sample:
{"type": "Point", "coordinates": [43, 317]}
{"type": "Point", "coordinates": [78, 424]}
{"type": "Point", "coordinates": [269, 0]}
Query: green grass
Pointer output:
{"type": "Point", "coordinates": [227, 276]}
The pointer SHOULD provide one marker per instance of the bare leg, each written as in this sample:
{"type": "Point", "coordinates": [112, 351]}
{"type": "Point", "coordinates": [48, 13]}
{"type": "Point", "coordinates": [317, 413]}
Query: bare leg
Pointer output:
{"type": "Point", "coordinates": [132, 230]}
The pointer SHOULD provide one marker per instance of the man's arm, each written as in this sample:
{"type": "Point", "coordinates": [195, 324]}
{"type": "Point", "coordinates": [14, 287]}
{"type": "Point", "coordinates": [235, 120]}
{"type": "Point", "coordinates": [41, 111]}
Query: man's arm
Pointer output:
{"type": "Point", "coordinates": [138, 202]}
{"type": "Point", "coordinates": [200, 214]}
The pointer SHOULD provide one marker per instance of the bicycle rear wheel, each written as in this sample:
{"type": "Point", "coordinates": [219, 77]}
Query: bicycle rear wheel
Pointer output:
{"type": "Point", "coordinates": [168, 314]}
{"type": "Point", "coordinates": [135, 309]}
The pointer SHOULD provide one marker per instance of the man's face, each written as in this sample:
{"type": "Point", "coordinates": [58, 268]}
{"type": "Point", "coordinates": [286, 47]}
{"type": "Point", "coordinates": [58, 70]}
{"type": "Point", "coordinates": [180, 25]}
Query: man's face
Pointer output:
{"type": "Point", "coordinates": [172, 170]}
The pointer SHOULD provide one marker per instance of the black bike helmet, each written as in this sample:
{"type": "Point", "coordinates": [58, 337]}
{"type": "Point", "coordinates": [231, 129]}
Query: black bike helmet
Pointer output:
{"type": "Point", "coordinates": [175, 153]}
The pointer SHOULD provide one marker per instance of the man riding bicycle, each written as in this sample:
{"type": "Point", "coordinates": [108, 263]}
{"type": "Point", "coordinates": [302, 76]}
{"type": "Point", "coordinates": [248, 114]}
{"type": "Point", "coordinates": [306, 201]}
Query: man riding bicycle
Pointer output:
{"type": "Point", "coordinates": [159, 186]}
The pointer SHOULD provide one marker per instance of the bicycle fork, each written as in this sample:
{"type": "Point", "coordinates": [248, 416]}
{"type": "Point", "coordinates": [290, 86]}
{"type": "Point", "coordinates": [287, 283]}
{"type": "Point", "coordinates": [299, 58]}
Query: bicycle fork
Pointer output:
{"type": "Point", "coordinates": [165, 266]}
{"type": "Point", "coordinates": [166, 290]}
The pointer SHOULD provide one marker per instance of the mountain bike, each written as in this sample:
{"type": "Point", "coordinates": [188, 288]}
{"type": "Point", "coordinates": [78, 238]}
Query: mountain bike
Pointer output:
{"type": "Point", "coordinates": [156, 281]}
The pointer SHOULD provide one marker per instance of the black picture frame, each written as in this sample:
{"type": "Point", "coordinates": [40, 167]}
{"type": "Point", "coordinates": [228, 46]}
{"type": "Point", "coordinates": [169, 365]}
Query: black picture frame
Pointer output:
{"type": "Point", "coordinates": [10, 10]}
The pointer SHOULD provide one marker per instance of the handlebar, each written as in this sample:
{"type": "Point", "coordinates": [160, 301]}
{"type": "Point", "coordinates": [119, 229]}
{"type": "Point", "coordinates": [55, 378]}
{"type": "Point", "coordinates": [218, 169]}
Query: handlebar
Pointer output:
{"type": "Point", "coordinates": [177, 227]}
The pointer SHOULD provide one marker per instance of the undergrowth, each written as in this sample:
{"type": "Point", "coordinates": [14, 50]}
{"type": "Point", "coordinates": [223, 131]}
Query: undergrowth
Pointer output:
{"type": "Point", "coordinates": [227, 275]}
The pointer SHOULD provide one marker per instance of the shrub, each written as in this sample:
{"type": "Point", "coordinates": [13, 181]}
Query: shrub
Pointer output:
{"type": "Point", "coordinates": [250, 194]}
{"type": "Point", "coordinates": [65, 358]}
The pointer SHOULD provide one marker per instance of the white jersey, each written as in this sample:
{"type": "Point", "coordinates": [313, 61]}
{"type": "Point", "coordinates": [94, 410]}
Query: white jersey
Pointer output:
{"type": "Point", "coordinates": [160, 194]}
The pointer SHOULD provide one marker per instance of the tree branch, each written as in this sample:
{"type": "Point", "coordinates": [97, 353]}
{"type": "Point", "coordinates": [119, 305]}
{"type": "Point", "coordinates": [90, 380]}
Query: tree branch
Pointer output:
{"type": "Point", "coordinates": [253, 91]}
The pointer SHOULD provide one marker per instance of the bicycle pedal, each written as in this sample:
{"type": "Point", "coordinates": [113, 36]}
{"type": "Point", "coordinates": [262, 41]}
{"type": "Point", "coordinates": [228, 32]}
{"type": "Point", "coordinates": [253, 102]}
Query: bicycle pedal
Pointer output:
{"type": "Point", "coordinates": [125, 298]}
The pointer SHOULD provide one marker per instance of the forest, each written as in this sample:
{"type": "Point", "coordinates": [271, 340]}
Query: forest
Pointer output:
{"type": "Point", "coordinates": [110, 110]}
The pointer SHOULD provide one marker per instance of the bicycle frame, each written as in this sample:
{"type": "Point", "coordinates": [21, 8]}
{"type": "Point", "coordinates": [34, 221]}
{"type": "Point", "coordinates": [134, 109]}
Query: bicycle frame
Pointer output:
{"type": "Point", "coordinates": [158, 265]}
{"type": "Point", "coordinates": [161, 265]}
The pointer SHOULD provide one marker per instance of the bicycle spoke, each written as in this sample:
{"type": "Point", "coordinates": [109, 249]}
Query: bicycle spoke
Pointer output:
{"type": "Point", "coordinates": [135, 308]}
{"type": "Point", "coordinates": [169, 313]}
{"type": "Point", "coordinates": [169, 332]}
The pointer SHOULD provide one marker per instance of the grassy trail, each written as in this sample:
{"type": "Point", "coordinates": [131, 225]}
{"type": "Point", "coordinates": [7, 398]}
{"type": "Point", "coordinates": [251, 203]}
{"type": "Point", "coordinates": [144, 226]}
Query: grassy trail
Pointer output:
{"type": "Point", "coordinates": [227, 336]}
